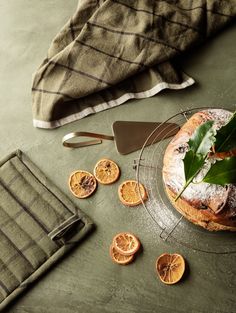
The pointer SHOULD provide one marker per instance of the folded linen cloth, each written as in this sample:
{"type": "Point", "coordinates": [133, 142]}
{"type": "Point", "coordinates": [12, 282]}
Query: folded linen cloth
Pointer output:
{"type": "Point", "coordinates": [114, 50]}
{"type": "Point", "coordinates": [38, 225]}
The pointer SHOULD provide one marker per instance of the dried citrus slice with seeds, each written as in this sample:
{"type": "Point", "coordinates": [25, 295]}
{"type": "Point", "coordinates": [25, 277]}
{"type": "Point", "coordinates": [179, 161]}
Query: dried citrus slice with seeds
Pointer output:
{"type": "Point", "coordinates": [119, 258]}
{"type": "Point", "coordinates": [126, 243]}
{"type": "Point", "coordinates": [170, 268]}
{"type": "Point", "coordinates": [129, 193]}
{"type": "Point", "coordinates": [82, 184]}
{"type": "Point", "coordinates": [106, 171]}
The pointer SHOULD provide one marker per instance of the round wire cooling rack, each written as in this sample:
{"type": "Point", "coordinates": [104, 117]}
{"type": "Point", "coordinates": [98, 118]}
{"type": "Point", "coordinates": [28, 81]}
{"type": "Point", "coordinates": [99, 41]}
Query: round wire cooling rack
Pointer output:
{"type": "Point", "coordinates": [172, 225]}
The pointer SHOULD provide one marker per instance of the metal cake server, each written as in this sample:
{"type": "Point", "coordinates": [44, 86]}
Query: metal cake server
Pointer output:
{"type": "Point", "coordinates": [129, 136]}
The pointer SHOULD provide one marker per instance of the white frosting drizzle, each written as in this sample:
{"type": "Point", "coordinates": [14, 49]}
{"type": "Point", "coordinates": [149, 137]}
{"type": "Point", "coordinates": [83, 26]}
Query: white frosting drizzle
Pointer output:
{"type": "Point", "coordinates": [202, 193]}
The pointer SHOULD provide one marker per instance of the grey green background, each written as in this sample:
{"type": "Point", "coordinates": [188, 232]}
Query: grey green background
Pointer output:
{"type": "Point", "coordinates": [87, 280]}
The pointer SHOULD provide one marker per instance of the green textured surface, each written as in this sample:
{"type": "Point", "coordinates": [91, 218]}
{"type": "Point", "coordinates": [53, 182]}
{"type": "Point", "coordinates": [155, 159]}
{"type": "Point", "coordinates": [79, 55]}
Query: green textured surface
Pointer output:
{"type": "Point", "coordinates": [87, 280]}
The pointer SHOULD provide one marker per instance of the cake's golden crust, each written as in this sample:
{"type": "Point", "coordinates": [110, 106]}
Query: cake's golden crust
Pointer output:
{"type": "Point", "coordinates": [208, 218]}
{"type": "Point", "coordinates": [194, 215]}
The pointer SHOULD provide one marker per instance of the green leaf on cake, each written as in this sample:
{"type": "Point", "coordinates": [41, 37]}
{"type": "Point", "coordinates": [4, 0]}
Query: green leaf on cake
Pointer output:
{"type": "Point", "coordinates": [199, 146]}
{"type": "Point", "coordinates": [226, 136]}
{"type": "Point", "coordinates": [222, 172]}
{"type": "Point", "coordinates": [202, 139]}
{"type": "Point", "coordinates": [192, 163]}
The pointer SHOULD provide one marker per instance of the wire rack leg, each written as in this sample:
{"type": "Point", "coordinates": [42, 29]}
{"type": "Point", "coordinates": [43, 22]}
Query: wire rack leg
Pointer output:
{"type": "Point", "coordinates": [164, 235]}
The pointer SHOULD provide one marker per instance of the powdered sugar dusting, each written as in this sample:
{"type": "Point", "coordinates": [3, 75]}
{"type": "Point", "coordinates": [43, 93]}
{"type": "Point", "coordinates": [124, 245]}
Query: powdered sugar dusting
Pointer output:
{"type": "Point", "coordinates": [199, 194]}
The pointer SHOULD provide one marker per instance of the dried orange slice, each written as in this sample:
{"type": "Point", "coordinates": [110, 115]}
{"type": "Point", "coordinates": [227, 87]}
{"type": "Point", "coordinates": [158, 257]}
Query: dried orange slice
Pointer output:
{"type": "Point", "coordinates": [129, 193]}
{"type": "Point", "coordinates": [119, 258]}
{"type": "Point", "coordinates": [126, 243]}
{"type": "Point", "coordinates": [170, 268]}
{"type": "Point", "coordinates": [106, 171]}
{"type": "Point", "coordinates": [82, 184]}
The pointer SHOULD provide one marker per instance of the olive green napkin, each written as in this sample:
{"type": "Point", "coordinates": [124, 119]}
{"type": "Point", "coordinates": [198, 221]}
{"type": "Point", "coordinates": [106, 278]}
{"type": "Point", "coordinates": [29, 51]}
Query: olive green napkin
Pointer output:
{"type": "Point", "coordinates": [114, 50]}
{"type": "Point", "coordinates": [38, 225]}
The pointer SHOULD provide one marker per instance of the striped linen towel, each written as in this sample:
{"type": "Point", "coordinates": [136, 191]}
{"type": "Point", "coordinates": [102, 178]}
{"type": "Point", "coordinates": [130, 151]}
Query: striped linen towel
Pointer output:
{"type": "Point", "coordinates": [114, 50]}
{"type": "Point", "coordinates": [38, 225]}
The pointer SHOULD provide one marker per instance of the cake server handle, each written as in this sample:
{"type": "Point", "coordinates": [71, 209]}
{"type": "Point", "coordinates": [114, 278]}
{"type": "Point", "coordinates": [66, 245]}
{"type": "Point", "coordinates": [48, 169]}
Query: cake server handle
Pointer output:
{"type": "Point", "coordinates": [66, 139]}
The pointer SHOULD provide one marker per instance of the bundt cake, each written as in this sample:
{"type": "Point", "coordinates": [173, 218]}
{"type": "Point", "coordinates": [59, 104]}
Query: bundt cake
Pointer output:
{"type": "Point", "coordinates": [208, 205]}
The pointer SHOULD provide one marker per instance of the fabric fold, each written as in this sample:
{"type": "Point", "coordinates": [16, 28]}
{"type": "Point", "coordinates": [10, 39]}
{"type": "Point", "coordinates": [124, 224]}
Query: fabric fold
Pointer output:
{"type": "Point", "coordinates": [115, 50]}
{"type": "Point", "coordinates": [64, 227]}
